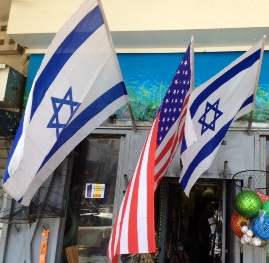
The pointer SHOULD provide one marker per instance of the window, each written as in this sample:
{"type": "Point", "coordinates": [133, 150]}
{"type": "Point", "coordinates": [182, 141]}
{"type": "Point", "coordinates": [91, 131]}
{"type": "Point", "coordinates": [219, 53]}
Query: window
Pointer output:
{"type": "Point", "coordinates": [92, 197]}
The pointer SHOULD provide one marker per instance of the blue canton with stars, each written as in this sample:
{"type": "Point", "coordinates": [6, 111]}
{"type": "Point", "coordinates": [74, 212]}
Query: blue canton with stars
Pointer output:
{"type": "Point", "coordinates": [173, 101]}
{"type": "Point", "coordinates": [57, 106]}
{"type": "Point", "coordinates": [217, 113]}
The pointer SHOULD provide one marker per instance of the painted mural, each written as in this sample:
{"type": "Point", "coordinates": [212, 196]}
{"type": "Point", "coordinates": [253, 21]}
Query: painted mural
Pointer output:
{"type": "Point", "coordinates": [147, 77]}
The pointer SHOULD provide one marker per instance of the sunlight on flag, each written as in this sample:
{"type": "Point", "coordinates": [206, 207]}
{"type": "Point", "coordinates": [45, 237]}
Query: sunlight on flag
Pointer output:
{"type": "Point", "coordinates": [78, 86]}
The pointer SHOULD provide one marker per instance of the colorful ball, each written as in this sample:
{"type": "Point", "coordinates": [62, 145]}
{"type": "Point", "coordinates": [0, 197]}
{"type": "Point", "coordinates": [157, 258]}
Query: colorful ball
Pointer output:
{"type": "Point", "coordinates": [237, 222]}
{"type": "Point", "coordinates": [262, 196]}
{"type": "Point", "coordinates": [248, 203]}
{"type": "Point", "coordinates": [265, 207]}
{"type": "Point", "coordinates": [260, 226]}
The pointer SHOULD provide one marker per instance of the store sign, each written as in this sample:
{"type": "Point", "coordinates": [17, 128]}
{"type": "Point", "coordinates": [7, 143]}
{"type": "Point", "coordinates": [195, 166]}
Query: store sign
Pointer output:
{"type": "Point", "coordinates": [147, 77]}
{"type": "Point", "coordinates": [95, 191]}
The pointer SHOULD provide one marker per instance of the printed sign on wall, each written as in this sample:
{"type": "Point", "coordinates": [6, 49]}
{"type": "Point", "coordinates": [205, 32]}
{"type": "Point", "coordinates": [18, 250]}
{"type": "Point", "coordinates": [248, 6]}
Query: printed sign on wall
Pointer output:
{"type": "Point", "coordinates": [95, 191]}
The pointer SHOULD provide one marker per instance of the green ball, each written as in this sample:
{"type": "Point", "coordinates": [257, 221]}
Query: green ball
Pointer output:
{"type": "Point", "coordinates": [266, 207]}
{"type": "Point", "coordinates": [248, 204]}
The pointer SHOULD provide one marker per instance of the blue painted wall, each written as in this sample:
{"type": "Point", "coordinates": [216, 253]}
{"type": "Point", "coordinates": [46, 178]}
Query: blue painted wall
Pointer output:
{"type": "Point", "coordinates": [147, 77]}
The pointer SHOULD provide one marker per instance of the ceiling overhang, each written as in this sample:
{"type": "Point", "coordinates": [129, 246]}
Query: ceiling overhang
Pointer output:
{"type": "Point", "coordinates": [162, 41]}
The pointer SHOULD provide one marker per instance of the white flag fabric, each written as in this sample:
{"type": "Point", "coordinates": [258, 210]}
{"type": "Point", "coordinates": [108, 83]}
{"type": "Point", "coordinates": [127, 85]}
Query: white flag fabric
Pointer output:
{"type": "Point", "coordinates": [212, 108]}
{"type": "Point", "coordinates": [78, 86]}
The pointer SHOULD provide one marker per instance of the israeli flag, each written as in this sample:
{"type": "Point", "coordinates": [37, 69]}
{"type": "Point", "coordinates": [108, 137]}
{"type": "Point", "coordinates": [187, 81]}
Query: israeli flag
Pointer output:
{"type": "Point", "coordinates": [212, 108]}
{"type": "Point", "coordinates": [78, 86]}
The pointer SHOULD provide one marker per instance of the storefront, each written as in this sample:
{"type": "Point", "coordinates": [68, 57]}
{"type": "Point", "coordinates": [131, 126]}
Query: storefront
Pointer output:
{"type": "Point", "coordinates": [92, 182]}
{"type": "Point", "coordinates": [104, 162]}
{"type": "Point", "coordinates": [89, 186]}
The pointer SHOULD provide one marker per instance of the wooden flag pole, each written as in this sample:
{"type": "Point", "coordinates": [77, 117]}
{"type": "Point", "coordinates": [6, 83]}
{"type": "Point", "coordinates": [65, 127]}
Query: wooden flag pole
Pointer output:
{"type": "Point", "coordinates": [256, 87]}
{"type": "Point", "coordinates": [132, 118]}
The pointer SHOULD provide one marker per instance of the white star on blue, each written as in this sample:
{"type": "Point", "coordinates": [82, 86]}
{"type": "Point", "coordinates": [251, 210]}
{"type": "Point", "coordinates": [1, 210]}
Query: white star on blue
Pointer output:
{"type": "Point", "coordinates": [173, 102]}
{"type": "Point", "coordinates": [57, 106]}
{"type": "Point", "coordinates": [217, 113]}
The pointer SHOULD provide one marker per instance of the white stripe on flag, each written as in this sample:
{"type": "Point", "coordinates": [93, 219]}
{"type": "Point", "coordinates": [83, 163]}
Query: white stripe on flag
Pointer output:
{"type": "Point", "coordinates": [211, 110]}
{"type": "Point", "coordinates": [142, 199]}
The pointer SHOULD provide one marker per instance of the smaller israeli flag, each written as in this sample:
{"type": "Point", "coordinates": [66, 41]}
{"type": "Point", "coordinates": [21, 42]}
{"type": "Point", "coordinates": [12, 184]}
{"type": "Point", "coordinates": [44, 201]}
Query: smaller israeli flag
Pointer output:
{"type": "Point", "coordinates": [212, 108]}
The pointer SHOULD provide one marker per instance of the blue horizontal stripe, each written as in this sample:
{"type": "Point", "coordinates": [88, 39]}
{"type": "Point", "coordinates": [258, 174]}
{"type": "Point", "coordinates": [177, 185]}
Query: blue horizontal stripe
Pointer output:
{"type": "Point", "coordinates": [248, 101]}
{"type": "Point", "coordinates": [244, 64]}
{"type": "Point", "coordinates": [204, 153]}
{"type": "Point", "coordinates": [85, 28]}
{"type": "Point", "coordinates": [210, 147]}
{"type": "Point", "coordinates": [90, 112]}
{"type": "Point", "coordinates": [14, 145]}
{"type": "Point", "coordinates": [183, 145]}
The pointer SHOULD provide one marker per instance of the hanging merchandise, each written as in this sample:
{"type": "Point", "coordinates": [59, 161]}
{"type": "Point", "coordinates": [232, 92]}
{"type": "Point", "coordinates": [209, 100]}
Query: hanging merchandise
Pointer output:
{"type": "Point", "coordinates": [238, 222]}
{"type": "Point", "coordinates": [260, 225]}
{"type": "Point", "coordinates": [44, 246]}
{"type": "Point", "coordinates": [250, 221]}
{"type": "Point", "coordinates": [248, 203]}
{"type": "Point", "coordinates": [209, 192]}
{"type": "Point", "coordinates": [266, 208]}
{"type": "Point", "coordinates": [263, 197]}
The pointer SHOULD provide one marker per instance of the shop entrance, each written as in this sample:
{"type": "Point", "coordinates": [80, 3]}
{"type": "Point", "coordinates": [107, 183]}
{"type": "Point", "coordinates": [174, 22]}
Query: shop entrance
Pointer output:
{"type": "Point", "coordinates": [190, 229]}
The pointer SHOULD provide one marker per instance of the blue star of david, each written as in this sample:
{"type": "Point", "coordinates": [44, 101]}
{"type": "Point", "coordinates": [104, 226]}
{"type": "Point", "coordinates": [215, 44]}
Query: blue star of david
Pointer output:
{"type": "Point", "coordinates": [210, 107]}
{"type": "Point", "coordinates": [57, 106]}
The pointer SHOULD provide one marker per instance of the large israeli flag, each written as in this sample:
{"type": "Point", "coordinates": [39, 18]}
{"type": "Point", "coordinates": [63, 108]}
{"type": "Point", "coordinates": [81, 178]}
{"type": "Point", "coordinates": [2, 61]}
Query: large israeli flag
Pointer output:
{"type": "Point", "coordinates": [212, 108]}
{"type": "Point", "coordinates": [78, 86]}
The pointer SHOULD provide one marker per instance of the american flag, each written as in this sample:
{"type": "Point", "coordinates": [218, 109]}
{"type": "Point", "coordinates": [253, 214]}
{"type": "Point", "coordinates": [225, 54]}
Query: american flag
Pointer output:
{"type": "Point", "coordinates": [134, 228]}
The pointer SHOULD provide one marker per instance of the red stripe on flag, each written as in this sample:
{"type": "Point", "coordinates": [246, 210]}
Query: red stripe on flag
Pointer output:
{"type": "Point", "coordinates": [115, 256]}
{"type": "Point", "coordinates": [165, 149]}
{"type": "Point", "coordinates": [172, 144]}
{"type": "Point", "coordinates": [150, 189]}
{"type": "Point", "coordinates": [126, 197]}
{"type": "Point", "coordinates": [186, 101]}
{"type": "Point", "coordinates": [171, 140]}
{"type": "Point", "coordinates": [132, 226]}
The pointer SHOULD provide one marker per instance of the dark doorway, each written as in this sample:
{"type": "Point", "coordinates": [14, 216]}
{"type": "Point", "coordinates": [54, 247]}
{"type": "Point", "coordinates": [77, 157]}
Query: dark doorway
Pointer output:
{"type": "Point", "coordinates": [190, 228]}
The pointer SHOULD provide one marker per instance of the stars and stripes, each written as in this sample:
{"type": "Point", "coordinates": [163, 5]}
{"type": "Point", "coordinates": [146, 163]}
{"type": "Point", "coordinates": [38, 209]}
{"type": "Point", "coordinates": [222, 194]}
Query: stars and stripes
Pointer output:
{"type": "Point", "coordinates": [171, 115]}
{"type": "Point", "coordinates": [134, 228]}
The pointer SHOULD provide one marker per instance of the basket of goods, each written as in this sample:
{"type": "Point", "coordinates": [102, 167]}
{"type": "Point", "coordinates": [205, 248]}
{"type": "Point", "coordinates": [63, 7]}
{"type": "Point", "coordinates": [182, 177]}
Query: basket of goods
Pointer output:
{"type": "Point", "coordinates": [250, 220]}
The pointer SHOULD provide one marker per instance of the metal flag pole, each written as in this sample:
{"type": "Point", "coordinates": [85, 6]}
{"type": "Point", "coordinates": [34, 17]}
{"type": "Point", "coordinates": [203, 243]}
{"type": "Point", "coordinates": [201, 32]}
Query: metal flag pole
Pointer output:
{"type": "Point", "coordinates": [256, 87]}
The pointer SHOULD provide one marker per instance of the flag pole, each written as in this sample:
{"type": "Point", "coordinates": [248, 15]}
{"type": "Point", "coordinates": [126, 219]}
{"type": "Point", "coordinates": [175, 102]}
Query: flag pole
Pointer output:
{"type": "Point", "coordinates": [256, 87]}
{"type": "Point", "coordinates": [117, 61]}
{"type": "Point", "coordinates": [132, 118]}
{"type": "Point", "coordinates": [192, 63]}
